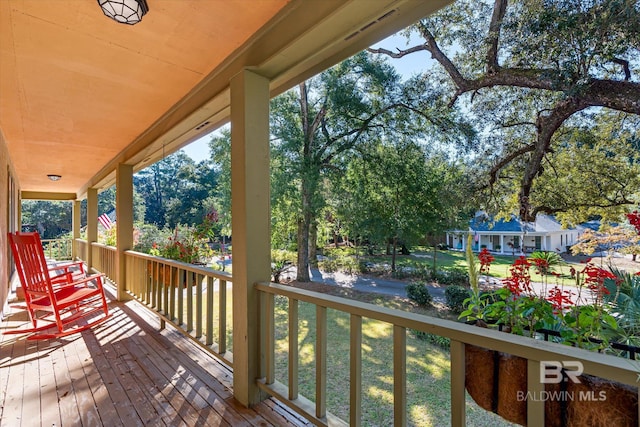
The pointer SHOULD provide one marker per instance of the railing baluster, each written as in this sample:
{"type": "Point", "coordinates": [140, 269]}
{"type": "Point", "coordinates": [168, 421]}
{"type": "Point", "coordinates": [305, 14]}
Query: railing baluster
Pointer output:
{"type": "Point", "coordinates": [269, 338]}
{"type": "Point", "coordinates": [173, 278]}
{"type": "Point", "coordinates": [128, 275]}
{"type": "Point", "coordinates": [181, 291]}
{"type": "Point", "coordinates": [162, 291]}
{"type": "Point", "coordinates": [321, 361]}
{"type": "Point", "coordinates": [148, 282]}
{"type": "Point", "coordinates": [535, 407]}
{"type": "Point", "coordinates": [457, 369]}
{"type": "Point", "coordinates": [355, 376]}
{"type": "Point", "coordinates": [181, 286]}
{"type": "Point", "coordinates": [293, 349]}
{"type": "Point", "coordinates": [399, 375]}
{"type": "Point", "coordinates": [198, 306]}
{"type": "Point", "coordinates": [158, 294]}
{"type": "Point", "coordinates": [165, 309]}
{"type": "Point", "coordinates": [222, 321]}
{"type": "Point", "coordinates": [209, 326]}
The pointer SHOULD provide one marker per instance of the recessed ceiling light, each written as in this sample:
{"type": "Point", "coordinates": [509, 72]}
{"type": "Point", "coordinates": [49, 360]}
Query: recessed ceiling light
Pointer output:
{"type": "Point", "coordinates": [53, 177]}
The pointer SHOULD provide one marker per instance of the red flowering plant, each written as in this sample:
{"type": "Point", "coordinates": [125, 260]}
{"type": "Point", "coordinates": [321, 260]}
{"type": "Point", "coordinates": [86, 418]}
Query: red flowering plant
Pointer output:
{"type": "Point", "coordinates": [634, 220]}
{"type": "Point", "coordinates": [189, 244]}
{"type": "Point", "coordinates": [580, 315]}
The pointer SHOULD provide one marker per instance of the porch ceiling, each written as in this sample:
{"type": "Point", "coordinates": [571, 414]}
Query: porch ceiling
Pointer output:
{"type": "Point", "coordinates": [81, 93]}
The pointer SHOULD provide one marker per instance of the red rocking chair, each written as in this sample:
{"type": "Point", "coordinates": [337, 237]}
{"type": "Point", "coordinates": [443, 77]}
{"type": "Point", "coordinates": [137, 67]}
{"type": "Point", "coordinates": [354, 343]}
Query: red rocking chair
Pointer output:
{"type": "Point", "coordinates": [60, 304]}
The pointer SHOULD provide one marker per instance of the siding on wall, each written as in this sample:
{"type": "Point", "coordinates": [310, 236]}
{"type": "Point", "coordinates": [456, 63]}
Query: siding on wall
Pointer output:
{"type": "Point", "coordinates": [6, 169]}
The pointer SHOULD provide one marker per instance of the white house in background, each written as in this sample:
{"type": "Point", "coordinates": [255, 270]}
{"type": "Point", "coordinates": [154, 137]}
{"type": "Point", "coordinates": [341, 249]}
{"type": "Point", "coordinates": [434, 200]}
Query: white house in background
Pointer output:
{"type": "Point", "coordinates": [514, 236]}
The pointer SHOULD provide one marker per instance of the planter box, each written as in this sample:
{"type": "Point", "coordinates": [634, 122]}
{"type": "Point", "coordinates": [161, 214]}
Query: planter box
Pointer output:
{"type": "Point", "coordinates": [497, 382]}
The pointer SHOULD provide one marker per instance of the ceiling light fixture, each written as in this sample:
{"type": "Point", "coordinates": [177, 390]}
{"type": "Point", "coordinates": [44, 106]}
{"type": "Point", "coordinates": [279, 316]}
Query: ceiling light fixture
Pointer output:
{"type": "Point", "coordinates": [54, 177]}
{"type": "Point", "coordinates": [124, 11]}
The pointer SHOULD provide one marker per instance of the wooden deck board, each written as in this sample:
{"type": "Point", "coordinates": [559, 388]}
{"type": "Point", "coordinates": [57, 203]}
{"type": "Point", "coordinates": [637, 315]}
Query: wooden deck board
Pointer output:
{"type": "Point", "coordinates": [103, 404]}
{"type": "Point", "coordinates": [32, 387]}
{"type": "Point", "coordinates": [12, 405]}
{"type": "Point", "coordinates": [48, 395]}
{"type": "Point", "coordinates": [123, 372]}
{"type": "Point", "coordinates": [69, 410]}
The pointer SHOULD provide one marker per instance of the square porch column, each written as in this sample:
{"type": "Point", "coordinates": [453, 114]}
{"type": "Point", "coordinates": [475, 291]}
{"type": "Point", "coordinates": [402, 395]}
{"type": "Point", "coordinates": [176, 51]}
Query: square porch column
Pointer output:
{"type": "Point", "coordinates": [124, 225]}
{"type": "Point", "coordinates": [250, 220]}
{"type": "Point", "coordinates": [75, 228]}
{"type": "Point", "coordinates": [92, 224]}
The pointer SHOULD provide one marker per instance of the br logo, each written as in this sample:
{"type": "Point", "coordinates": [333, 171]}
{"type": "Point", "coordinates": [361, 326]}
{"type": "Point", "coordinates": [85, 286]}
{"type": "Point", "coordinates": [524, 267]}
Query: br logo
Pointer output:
{"type": "Point", "coordinates": [554, 372]}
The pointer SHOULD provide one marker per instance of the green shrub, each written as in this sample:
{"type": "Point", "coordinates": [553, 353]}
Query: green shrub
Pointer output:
{"type": "Point", "coordinates": [282, 256]}
{"type": "Point", "coordinates": [455, 296]}
{"type": "Point", "coordinates": [148, 236]}
{"type": "Point", "coordinates": [282, 261]}
{"type": "Point", "coordinates": [452, 277]}
{"type": "Point", "coordinates": [341, 262]}
{"type": "Point", "coordinates": [547, 261]}
{"type": "Point", "coordinates": [424, 272]}
{"type": "Point", "coordinates": [418, 292]}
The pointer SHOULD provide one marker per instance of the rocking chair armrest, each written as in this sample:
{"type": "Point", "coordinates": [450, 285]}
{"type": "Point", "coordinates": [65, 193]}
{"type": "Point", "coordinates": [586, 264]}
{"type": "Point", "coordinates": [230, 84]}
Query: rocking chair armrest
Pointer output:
{"type": "Point", "coordinates": [67, 266]}
{"type": "Point", "coordinates": [85, 280]}
{"type": "Point", "coordinates": [61, 280]}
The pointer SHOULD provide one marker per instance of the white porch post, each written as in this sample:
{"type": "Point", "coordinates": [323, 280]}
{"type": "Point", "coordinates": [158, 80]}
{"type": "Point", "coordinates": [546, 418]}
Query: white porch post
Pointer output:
{"type": "Point", "coordinates": [92, 223]}
{"type": "Point", "coordinates": [75, 228]}
{"type": "Point", "coordinates": [250, 220]}
{"type": "Point", "coordinates": [502, 243]}
{"type": "Point", "coordinates": [124, 224]}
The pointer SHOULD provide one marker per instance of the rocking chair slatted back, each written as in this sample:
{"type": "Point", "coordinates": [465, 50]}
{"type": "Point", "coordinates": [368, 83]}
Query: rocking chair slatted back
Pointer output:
{"type": "Point", "coordinates": [31, 264]}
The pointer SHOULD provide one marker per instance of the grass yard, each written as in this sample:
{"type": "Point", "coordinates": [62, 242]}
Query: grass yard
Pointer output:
{"type": "Point", "coordinates": [428, 368]}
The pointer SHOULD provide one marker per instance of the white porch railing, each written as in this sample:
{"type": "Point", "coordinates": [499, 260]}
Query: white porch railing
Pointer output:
{"type": "Point", "coordinates": [104, 259]}
{"type": "Point", "coordinates": [82, 249]}
{"type": "Point", "coordinates": [58, 249]}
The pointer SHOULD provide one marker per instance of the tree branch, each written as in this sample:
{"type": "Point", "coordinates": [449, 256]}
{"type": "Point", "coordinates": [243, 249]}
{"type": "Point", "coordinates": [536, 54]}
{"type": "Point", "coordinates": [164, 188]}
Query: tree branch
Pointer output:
{"type": "Point", "coordinates": [547, 125]}
{"type": "Point", "coordinates": [493, 173]}
{"type": "Point", "coordinates": [443, 59]}
{"type": "Point", "coordinates": [499, 9]}
{"type": "Point", "coordinates": [400, 52]}
{"type": "Point", "coordinates": [625, 67]}
{"type": "Point", "coordinates": [549, 210]}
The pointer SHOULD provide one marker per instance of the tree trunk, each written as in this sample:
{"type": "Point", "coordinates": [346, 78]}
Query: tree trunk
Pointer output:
{"type": "Point", "coordinates": [313, 244]}
{"type": "Point", "coordinates": [435, 254]}
{"type": "Point", "coordinates": [304, 227]}
{"type": "Point", "coordinates": [302, 274]}
{"type": "Point", "coordinates": [393, 254]}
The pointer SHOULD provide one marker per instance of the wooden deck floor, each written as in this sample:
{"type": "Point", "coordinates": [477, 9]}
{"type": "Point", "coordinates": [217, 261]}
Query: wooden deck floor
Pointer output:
{"type": "Point", "coordinates": [123, 372]}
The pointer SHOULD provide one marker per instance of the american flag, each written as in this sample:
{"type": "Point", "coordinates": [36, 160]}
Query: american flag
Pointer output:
{"type": "Point", "coordinates": [105, 221]}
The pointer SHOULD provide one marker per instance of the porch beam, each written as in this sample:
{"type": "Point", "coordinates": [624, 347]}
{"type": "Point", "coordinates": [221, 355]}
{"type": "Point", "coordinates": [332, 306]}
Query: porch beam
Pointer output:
{"type": "Point", "coordinates": [250, 220]}
{"type": "Point", "coordinates": [43, 195]}
{"type": "Point", "coordinates": [124, 229]}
